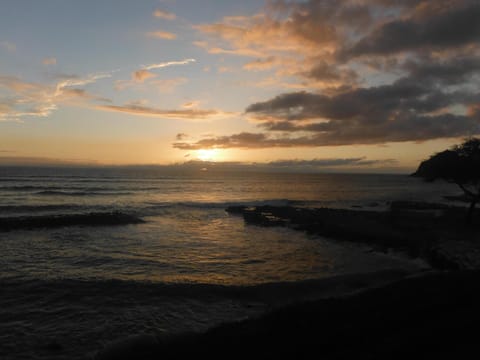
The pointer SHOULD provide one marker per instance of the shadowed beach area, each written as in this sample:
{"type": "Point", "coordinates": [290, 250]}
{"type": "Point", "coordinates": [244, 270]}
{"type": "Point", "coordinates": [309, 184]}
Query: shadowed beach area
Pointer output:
{"type": "Point", "coordinates": [432, 314]}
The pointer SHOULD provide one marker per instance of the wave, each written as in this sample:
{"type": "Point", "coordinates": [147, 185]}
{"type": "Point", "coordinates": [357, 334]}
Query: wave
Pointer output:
{"type": "Point", "coordinates": [82, 193]}
{"type": "Point", "coordinates": [75, 190]}
{"type": "Point", "coordinates": [226, 204]}
{"type": "Point", "coordinates": [54, 221]}
{"type": "Point", "coordinates": [265, 291]}
{"type": "Point", "coordinates": [143, 209]}
{"type": "Point", "coordinates": [27, 187]}
{"type": "Point", "coordinates": [38, 208]}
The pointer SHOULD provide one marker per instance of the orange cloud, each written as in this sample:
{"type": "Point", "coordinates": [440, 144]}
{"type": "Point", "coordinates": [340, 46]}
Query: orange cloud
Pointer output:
{"type": "Point", "coordinates": [183, 114]}
{"type": "Point", "coordinates": [260, 64]}
{"type": "Point", "coordinates": [191, 104]}
{"type": "Point", "coordinates": [142, 75]}
{"type": "Point", "coordinates": [26, 99]}
{"type": "Point", "coordinates": [162, 14]}
{"type": "Point", "coordinates": [162, 35]}
{"type": "Point", "coordinates": [287, 38]}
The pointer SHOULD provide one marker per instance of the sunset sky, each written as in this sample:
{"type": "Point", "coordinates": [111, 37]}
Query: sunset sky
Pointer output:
{"type": "Point", "coordinates": [353, 83]}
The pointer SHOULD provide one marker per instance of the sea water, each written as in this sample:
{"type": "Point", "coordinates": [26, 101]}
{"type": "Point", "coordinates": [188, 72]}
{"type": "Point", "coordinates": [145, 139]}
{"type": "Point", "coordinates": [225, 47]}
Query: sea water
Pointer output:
{"type": "Point", "coordinates": [67, 291]}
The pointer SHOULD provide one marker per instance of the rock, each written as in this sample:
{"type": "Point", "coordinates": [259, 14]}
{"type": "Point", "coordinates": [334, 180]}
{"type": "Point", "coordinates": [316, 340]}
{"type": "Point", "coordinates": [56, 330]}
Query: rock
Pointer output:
{"type": "Point", "coordinates": [133, 347]}
{"type": "Point", "coordinates": [236, 209]}
{"type": "Point", "coordinates": [252, 216]}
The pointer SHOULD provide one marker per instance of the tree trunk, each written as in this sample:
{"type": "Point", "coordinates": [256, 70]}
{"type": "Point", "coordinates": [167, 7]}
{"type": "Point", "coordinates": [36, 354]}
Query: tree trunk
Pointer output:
{"type": "Point", "coordinates": [470, 211]}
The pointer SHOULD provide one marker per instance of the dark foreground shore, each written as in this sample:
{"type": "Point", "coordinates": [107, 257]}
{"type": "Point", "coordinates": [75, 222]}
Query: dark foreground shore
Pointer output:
{"type": "Point", "coordinates": [430, 316]}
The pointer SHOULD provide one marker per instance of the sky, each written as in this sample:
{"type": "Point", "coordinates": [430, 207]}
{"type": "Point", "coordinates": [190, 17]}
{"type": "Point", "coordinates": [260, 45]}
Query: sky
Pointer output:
{"type": "Point", "coordinates": [348, 84]}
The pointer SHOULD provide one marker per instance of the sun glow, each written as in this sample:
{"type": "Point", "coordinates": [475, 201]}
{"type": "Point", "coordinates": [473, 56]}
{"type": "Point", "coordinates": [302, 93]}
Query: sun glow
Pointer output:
{"type": "Point", "coordinates": [207, 154]}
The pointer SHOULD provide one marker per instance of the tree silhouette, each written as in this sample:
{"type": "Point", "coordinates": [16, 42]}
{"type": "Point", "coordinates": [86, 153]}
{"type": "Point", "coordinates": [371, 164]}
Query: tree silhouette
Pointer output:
{"type": "Point", "coordinates": [459, 165]}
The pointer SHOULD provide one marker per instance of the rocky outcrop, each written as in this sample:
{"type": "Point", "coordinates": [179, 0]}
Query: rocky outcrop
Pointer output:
{"type": "Point", "coordinates": [54, 221]}
{"type": "Point", "coordinates": [415, 228]}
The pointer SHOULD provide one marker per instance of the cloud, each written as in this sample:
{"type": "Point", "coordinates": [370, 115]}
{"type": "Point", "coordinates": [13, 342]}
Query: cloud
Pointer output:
{"type": "Point", "coordinates": [243, 140]}
{"type": "Point", "coordinates": [260, 64]}
{"type": "Point", "coordinates": [181, 136]}
{"type": "Point", "coordinates": [162, 14]}
{"type": "Point", "coordinates": [24, 99]}
{"type": "Point", "coordinates": [191, 104]}
{"type": "Point", "coordinates": [370, 72]}
{"type": "Point", "coordinates": [142, 75]}
{"type": "Point", "coordinates": [451, 71]}
{"type": "Point", "coordinates": [49, 61]}
{"type": "Point", "coordinates": [27, 99]}
{"type": "Point", "coordinates": [167, 64]}
{"type": "Point", "coordinates": [290, 165]}
{"type": "Point", "coordinates": [328, 44]}
{"type": "Point", "coordinates": [419, 128]}
{"type": "Point", "coordinates": [332, 162]}
{"type": "Point", "coordinates": [182, 114]}
{"type": "Point", "coordinates": [162, 35]}
{"type": "Point", "coordinates": [77, 81]}
{"type": "Point", "coordinates": [453, 27]}
{"type": "Point", "coordinates": [413, 108]}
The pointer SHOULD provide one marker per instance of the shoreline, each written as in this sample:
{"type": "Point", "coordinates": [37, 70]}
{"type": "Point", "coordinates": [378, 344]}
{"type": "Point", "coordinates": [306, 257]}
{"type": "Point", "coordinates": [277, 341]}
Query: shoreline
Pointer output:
{"type": "Point", "coordinates": [87, 315]}
{"type": "Point", "coordinates": [434, 315]}
{"type": "Point", "coordinates": [436, 233]}
{"type": "Point", "coordinates": [431, 313]}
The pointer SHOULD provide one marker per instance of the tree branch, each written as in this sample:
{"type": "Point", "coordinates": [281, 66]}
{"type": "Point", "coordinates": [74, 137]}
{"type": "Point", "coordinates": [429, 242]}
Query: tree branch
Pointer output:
{"type": "Point", "coordinates": [466, 191]}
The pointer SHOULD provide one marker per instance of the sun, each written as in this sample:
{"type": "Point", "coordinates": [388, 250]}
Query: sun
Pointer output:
{"type": "Point", "coordinates": [207, 154]}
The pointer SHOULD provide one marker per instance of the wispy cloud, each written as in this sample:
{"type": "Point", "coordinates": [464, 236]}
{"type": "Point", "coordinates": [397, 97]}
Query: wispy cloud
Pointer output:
{"type": "Point", "coordinates": [162, 14]}
{"type": "Point", "coordinates": [161, 35]}
{"type": "Point", "coordinates": [28, 99]}
{"type": "Point", "coordinates": [144, 75]}
{"type": "Point", "coordinates": [181, 114]}
{"type": "Point", "coordinates": [75, 81]}
{"type": "Point", "coordinates": [167, 64]}
{"type": "Point", "coordinates": [191, 104]}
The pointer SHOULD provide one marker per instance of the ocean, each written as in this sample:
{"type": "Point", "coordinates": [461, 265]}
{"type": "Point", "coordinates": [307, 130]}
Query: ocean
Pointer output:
{"type": "Point", "coordinates": [187, 265]}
